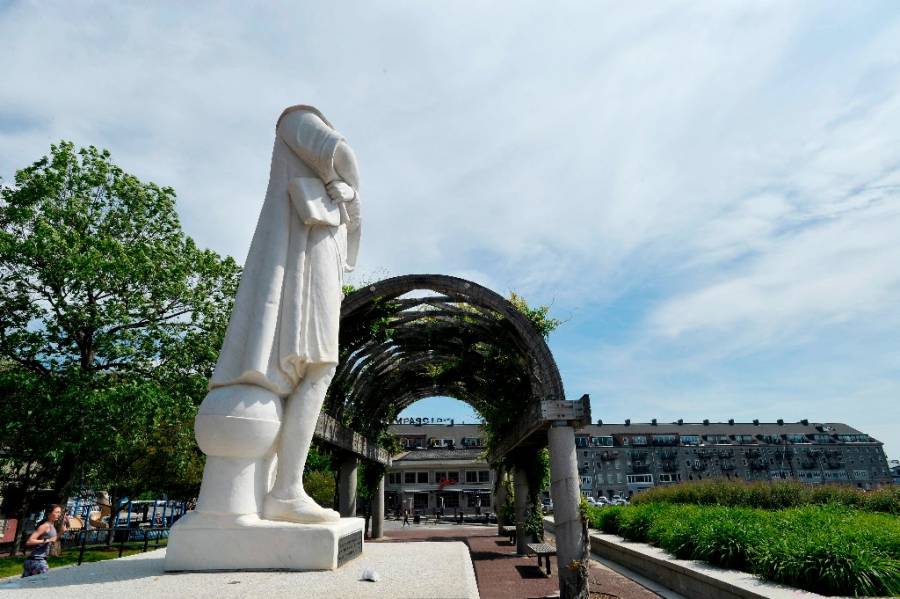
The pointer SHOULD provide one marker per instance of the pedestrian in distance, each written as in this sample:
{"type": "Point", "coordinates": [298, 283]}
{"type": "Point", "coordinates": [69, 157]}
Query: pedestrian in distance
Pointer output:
{"type": "Point", "coordinates": [405, 517]}
{"type": "Point", "coordinates": [40, 541]}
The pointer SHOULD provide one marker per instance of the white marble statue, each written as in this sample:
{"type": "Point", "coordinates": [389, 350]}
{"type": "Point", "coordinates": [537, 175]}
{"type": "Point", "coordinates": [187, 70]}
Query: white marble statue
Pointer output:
{"type": "Point", "coordinates": [281, 346]}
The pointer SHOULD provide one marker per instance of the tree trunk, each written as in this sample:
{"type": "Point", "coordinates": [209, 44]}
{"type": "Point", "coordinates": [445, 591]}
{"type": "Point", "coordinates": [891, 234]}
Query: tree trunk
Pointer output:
{"type": "Point", "coordinates": [24, 507]}
{"type": "Point", "coordinates": [19, 542]}
{"type": "Point", "coordinates": [65, 477]}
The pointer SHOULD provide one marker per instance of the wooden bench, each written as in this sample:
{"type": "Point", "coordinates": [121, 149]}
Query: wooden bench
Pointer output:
{"type": "Point", "coordinates": [542, 550]}
{"type": "Point", "coordinates": [509, 531]}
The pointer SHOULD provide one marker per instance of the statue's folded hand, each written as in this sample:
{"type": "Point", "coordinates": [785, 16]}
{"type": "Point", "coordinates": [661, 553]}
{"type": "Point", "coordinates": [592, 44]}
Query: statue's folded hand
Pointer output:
{"type": "Point", "coordinates": [339, 191]}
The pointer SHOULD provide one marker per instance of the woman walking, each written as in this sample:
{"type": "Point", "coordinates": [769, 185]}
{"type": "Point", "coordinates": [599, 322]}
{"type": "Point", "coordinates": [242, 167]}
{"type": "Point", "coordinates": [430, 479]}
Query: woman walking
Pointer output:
{"type": "Point", "coordinates": [40, 541]}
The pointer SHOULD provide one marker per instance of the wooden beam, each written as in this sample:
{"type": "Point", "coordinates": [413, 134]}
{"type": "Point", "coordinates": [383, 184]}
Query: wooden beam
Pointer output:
{"type": "Point", "coordinates": [332, 432]}
{"type": "Point", "coordinates": [532, 424]}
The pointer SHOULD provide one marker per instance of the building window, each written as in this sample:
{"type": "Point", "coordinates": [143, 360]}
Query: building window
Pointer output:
{"type": "Point", "coordinates": [471, 442]}
{"type": "Point", "coordinates": [409, 478]}
{"type": "Point", "coordinates": [619, 478]}
{"type": "Point", "coordinates": [668, 478]}
{"type": "Point", "coordinates": [394, 478]}
{"type": "Point", "coordinates": [422, 478]}
{"type": "Point", "coordinates": [581, 441]}
{"type": "Point", "coordinates": [452, 478]}
{"type": "Point", "coordinates": [586, 482]}
{"type": "Point", "coordinates": [854, 438]}
{"type": "Point", "coordinates": [690, 439]}
{"type": "Point", "coordinates": [718, 439]}
{"type": "Point", "coordinates": [451, 500]}
{"type": "Point", "coordinates": [640, 479]}
{"type": "Point", "coordinates": [420, 501]}
{"type": "Point", "coordinates": [485, 499]}
{"type": "Point", "coordinates": [478, 476]}
{"type": "Point", "coordinates": [639, 440]}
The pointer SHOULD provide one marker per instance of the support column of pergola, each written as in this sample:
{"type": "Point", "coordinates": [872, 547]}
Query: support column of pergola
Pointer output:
{"type": "Point", "coordinates": [347, 486]}
{"type": "Point", "coordinates": [499, 498]}
{"type": "Point", "coordinates": [554, 424]}
{"type": "Point", "coordinates": [520, 480]}
{"type": "Point", "coordinates": [565, 490]}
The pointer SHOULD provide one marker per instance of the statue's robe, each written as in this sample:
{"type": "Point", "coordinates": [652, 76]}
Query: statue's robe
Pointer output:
{"type": "Point", "coordinates": [287, 309]}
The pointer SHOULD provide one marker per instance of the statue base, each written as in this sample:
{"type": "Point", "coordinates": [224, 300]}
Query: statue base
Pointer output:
{"type": "Point", "coordinates": [205, 541]}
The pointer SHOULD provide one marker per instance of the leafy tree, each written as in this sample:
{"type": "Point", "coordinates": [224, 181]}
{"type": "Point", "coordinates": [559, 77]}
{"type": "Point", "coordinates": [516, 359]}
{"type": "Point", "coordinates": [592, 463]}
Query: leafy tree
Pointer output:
{"type": "Point", "coordinates": [111, 318]}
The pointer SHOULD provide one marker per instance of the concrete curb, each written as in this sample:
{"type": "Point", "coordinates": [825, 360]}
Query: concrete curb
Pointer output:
{"type": "Point", "coordinates": [694, 579]}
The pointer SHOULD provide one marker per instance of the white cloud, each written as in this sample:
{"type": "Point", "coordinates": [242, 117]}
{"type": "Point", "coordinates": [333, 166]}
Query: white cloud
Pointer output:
{"type": "Point", "coordinates": [731, 168]}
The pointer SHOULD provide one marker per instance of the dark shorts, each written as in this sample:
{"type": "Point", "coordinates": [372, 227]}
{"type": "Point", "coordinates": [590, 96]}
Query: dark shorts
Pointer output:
{"type": "Point", "coordinates": [33, 567]}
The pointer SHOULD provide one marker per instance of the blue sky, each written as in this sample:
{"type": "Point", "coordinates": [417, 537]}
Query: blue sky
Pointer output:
{"type": "Point", "coordinates": [707, 193]}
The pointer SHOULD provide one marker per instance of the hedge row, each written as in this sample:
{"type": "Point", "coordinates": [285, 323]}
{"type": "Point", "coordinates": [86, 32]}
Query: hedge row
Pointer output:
{"type": "Point", "coordinates": [773, 495]}
{"type": "Point", "coordinates": [828, 549]}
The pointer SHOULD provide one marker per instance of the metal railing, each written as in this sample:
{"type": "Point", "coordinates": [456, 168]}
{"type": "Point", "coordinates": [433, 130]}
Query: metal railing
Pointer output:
{"type": "Point", "coordinates": [122, 536]}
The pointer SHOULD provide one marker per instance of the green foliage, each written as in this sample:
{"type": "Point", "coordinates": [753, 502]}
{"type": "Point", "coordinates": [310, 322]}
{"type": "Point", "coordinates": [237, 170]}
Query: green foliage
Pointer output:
{"type": "Point", "coordinates": [830, 549]}
{"type": "Point", "coordinates": [773, 495]}
{"type": "Point", "coordinates": [320, 485]}
{"type": "Point", "coordinates": [317, 460]}
{"type": "Point", "coordinates": [606, 519]}
{"type": "Point", "coordinates": [539, 317]}
{"type": "Point", "coordinates": [110, 322]}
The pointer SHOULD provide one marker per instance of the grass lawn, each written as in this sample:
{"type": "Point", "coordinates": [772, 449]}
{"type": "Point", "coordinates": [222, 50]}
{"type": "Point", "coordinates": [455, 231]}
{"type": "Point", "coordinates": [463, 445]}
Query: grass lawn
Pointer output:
{"type": "Point", "coordinates": [12, 566]}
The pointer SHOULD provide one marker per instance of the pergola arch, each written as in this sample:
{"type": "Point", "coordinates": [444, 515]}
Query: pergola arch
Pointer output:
{"type": "Point", "coordinates": [378, 375]}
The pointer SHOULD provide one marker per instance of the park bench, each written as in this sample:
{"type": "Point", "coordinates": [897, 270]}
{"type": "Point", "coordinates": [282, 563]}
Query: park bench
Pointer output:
{"type": "Point", "coordinates": [542, 550]}
{"type": "Point", "coordinates": [509, 531]}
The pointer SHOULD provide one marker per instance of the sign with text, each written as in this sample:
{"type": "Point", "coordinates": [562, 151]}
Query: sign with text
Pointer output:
{"type": "Point", "coordinates": [423, 421]}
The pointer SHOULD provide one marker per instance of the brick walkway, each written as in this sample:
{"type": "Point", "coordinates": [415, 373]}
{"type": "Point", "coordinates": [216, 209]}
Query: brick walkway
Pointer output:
{"type": "Point", "coordinates": [501, 574]}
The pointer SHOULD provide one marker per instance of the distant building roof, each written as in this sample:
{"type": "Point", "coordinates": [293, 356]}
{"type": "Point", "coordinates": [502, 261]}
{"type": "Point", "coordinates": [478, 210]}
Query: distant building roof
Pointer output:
{"type": "Point", "coordinates": [440, 453]}
{"type": "Point", "coordinates": [720, 428]}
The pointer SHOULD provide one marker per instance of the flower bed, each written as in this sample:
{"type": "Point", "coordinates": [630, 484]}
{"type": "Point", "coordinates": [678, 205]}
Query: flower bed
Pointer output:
{"type": "Point", "coordinates": [773, 496]}
{"type": "Point", "coordinates": [828, 549]}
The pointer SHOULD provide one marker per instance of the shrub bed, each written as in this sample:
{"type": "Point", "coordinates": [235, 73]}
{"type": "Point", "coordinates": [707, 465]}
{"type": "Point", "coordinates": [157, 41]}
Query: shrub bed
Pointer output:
{"type": "Point", "coordinates": [829, 549]}
{"type": "Point", "coordinates": [773, 495]}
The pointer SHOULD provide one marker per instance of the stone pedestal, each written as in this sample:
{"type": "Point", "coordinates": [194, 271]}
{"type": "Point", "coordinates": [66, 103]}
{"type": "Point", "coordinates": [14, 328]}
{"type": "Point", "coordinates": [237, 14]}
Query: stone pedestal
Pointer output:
{"type": "Point", "coordinates": [203, 541]}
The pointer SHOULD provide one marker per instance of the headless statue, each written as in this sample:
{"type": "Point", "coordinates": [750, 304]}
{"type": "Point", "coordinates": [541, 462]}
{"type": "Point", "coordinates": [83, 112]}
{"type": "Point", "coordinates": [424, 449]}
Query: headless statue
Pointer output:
{"type": "Point", "coordinates": [281, 346]}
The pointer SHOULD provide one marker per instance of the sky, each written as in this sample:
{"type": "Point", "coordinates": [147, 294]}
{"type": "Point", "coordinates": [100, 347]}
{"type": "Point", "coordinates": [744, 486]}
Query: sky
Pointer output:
{"type": "Point", "coordinates": [706, 193]}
